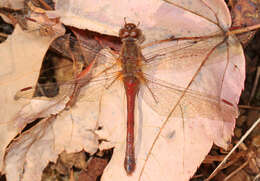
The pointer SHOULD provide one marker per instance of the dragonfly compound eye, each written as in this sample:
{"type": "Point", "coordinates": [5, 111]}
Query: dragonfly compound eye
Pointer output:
{"type": "Point", "coordinates": [123, 33]}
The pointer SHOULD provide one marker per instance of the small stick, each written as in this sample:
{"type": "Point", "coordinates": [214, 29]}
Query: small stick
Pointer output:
{"type": "Point", "coordinates": [249, 107]}
{"type": "Point", "coordinates": [233, 149]}
{"type": "Point", "coordinates": [236, 171]}
{"type": "Point", "coordinates": [255, 84]}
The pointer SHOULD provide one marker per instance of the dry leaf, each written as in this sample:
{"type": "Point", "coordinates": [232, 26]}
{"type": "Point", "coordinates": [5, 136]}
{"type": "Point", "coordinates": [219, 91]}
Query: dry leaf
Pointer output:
{"type": "Point", "coordinates": [29, 154]}
{"type": "Point", "coordinates": [21, 53]}
{"type": "Point", "coordinates": [12, 4]}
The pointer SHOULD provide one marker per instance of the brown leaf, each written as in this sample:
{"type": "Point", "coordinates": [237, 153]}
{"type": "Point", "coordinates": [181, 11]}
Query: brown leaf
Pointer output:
{"type": "Point", "coordinates": [245, 13]}
{"type": "Point", "coordinates": [95, 169]}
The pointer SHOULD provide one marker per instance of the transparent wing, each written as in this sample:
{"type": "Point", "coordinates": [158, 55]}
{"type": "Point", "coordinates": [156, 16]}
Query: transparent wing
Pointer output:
{"type": "Point", "coordinates": [99, 77]}
{"type": "Point", "coordinates": [187, 74]}
{"type": "Point", "coordinates": [86, 49]}
{"type": "Point", "coordinates": [181, 55]}
{"type": "Point", "coordinates": [164, 97]}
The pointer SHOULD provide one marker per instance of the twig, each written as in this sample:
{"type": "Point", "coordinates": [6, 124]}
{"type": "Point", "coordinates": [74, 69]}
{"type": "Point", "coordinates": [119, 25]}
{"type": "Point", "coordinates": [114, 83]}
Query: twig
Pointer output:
{"type": "Point", "coordinates": [255, 84]}
{"type": "Point", "coordinates": [249, 107]}
{"type": "Point", "coordinates": [233, 149]}
{"type": "Point", "coordinates": [3, 35]}
{"type": "Point", "coordinates": [236, 171]}
{"type": "Point", "coordinates": [257, 177]}
{"type": "Point", "coordinates": [45, 5]}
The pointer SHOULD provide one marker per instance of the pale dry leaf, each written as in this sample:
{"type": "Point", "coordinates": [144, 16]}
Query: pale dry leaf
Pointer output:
{"type": "Point", "coordinates": [154, 15]}
{"type": "Point", "coordinates": [44, 142]}
{"type": "Point", "coordinates": [12, 4]}
{"type": "Point", "coordinates": [21, 53]}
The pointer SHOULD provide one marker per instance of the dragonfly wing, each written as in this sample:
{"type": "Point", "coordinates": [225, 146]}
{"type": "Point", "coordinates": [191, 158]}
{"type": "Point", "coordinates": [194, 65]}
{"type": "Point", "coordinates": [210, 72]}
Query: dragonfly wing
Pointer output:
{"type": "Point", "coordinates": [179, 55]}
{"type": "Point", "coordinates": [99, 77]}
{"type": "Point", "coordinates": [86, 49]}
{"type": "Point", "coordinates": [93, 90]}
{"type": "Point", "coordinates": [163, 98]}
{"type": "Point", "coordinates": [188, 75]}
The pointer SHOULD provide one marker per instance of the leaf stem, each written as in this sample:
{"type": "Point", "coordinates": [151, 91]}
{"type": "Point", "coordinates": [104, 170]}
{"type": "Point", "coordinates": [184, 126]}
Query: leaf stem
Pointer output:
{"type": "Point", "coordinates": [243, 30]}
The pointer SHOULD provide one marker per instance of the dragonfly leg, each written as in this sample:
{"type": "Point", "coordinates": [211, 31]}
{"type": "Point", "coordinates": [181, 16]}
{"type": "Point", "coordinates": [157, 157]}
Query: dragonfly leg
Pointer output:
{"type": "Point", "coordinates": [143, 80]}
{"type": "Point", "coordinates": [117, 77]}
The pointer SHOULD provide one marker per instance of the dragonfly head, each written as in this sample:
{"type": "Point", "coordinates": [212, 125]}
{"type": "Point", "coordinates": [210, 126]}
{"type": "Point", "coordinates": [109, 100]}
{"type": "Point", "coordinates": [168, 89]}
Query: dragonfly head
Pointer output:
{"type": "Point", "coordinates": [130, 31]}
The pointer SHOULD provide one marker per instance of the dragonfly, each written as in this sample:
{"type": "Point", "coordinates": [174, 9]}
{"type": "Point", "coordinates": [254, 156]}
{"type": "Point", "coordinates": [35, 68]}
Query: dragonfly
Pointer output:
{"type": "Point", "coordinates": [141, 70]}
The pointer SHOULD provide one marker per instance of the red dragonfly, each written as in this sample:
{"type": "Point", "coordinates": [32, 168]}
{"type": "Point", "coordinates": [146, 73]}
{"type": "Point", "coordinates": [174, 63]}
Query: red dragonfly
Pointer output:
{"type": "Point", "coordinates": [143, 74]}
